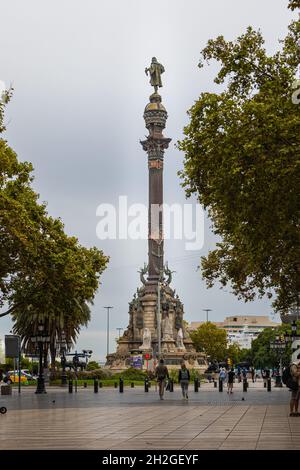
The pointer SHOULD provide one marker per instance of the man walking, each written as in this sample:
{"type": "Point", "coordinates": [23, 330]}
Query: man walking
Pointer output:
{"type": "Point", "coordinates": [183, 379]}
{"type": "Point", "coordinates": [295, 373]}
{"type": "Point", "coordinates": [230, 379]}
{"type": "Point", "coordinates": [161, 374]}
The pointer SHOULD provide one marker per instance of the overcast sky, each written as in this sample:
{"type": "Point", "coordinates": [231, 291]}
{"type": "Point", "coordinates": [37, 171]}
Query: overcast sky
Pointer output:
{"type": "Point", "coordinates": [77, 114]}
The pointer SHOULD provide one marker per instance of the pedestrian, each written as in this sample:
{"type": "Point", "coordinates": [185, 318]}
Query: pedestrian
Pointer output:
{"type": "Point", "coordinates": [266, 376]}
{"type": "Point", "coordinates": [295, 373]}
{"type": "Point", "coordinates": [239, 374]}
{"type": "Point", "coordinates": [184, 379]}
{"type": "Point", "coordinates": [161, 374]}
{"type": "Point", "coordinates": [230, 379]}
{"type": "Point", "coordinates": [253, 374]}
{"type": "Point", "coordinates": [222, 374]}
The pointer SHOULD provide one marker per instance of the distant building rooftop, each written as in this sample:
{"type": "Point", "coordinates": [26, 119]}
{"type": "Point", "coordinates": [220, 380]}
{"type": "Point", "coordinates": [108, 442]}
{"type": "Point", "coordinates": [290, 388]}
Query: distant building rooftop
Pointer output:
{"type": "Point", "coordinates": [240, 321]}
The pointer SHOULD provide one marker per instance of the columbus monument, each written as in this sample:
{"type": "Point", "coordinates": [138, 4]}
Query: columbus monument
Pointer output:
{"type": "Point", "coordinates": [156, 325]}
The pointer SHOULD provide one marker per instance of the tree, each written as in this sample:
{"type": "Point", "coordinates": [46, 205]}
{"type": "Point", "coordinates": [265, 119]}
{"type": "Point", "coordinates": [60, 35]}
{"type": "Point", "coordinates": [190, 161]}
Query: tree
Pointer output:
{"type": "Point", "coordinates": [262, 354]}
{"type": "Point", "coordinates": [234, 352]}
{"type": "Point", "coordinates": [45, 275]}
{"type": "Point", "coordinates": [246, 356]}
{"type": "Point", "coordinates": [210, 340]}
{"type": "Point", "coordinates": [242, 149]}
{"type": "Point", "coordinates": [294, 4]}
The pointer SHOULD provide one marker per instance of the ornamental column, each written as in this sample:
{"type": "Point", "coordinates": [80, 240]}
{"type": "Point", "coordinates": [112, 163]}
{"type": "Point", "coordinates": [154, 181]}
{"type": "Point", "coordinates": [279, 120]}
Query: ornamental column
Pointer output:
{"type": "Point", "coordinates": [155, 116]}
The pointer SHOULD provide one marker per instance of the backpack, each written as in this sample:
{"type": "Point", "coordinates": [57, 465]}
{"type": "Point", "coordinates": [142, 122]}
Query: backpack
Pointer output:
{"type": "Point", "coordinates": [288, 380]}
{"type": "Point", "coordinates": [184, 374]}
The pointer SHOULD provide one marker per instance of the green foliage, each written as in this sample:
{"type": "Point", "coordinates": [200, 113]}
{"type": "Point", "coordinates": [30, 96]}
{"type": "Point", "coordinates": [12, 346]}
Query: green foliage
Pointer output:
{"type": "Point", "coordinates": [294, 4]}
{"type": "Point", "coordinates": [131, 374]}
{"type": "Point", "coordinates": [262, 354]}
{"type": "Point", "coordinates": [92, 365]}
{"type": "Point", "coordinates": [242, 161]}
{"type": "Point", "coordinates": [246, 355]}
{"type": "Point", "coordinates": [210, 340]}
{"type": "Point", "coordinates": [101, 374]}
{"type": "Point", "coordinates": [45, 275]}
{"type": "Point", "coordinates": [234, 352]}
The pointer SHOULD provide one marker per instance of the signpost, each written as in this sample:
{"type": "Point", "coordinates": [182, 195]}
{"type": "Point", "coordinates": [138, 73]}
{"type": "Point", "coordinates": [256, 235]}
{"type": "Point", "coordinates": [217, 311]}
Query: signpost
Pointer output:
{"type": "Point", "coordinates": [13, 351]}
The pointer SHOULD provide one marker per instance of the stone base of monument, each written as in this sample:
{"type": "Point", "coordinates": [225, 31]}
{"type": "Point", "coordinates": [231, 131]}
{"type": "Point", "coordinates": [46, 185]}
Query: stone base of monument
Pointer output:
{"type": "Point", "coordinates": [141, 334]}
{"type": "Point", "coordinates": [172, 360]}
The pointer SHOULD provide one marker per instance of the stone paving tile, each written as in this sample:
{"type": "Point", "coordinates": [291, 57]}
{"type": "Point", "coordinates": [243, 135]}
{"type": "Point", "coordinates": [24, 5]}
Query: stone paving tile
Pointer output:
{"type": "Point", "coordinates": [198, 444]}
{"type": "Point", "coordinates": [169, 425]}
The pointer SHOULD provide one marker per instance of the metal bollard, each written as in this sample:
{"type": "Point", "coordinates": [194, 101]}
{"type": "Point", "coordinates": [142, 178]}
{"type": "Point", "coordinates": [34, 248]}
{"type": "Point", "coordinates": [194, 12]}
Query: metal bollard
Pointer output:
{"type": "Point", "coordinates": [245, 385]}
{"type": "Point", "coordinates": [215, 384]}
{"type": "Point", "coordinates": [146, 385]}
{"type": "Point", "coordinates": [196, 385]}
{"type": "Point", "coordinates": [96, 386]}
{"type": "Point", "coordinates": [220, 385]}
{"type": "Point", "coordinates": [132, 384]}
{"type": "Point", "coordinates": [121, 385]}
{"type": "Point", "coordinates": [269, 385]}
{"type": "Point", "coordinates": [100, 385]}
{"type": "Point", "coordinates": [84, 384]}
{"type": "Point", "coordinates": [116, 385]}
{"type": "Point", "coordinates": [171, 389]}
{"type": "Point", "coordinates": [70, 386]}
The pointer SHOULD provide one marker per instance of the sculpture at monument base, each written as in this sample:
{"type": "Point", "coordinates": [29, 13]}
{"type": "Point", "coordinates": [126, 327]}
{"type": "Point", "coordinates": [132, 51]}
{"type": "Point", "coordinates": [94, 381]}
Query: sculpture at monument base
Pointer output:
{"type": "Point", "coordinates": [146, 340]}
{"type": "Point", "coordinates": [179, 341]}
{"type": "Point", "coordinates": [176, 344]}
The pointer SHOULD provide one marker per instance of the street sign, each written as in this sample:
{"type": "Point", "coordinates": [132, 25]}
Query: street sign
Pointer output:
{"type": "Point", "coordinates": [12, 346]}
{"type": "Point", "coordinates": [137, 361]}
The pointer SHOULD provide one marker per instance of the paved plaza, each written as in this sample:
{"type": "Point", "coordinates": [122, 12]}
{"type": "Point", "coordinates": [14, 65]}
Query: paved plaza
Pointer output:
{"type": "Point", "coordinates": [138, 420]}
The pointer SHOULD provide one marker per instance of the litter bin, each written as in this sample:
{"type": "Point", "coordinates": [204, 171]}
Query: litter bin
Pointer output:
{"type": "Point", "coordinates": [6, 389]}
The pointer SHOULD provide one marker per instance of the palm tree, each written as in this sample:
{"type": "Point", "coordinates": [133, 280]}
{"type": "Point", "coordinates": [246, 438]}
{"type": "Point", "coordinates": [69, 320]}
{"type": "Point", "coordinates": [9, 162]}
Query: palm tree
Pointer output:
{"type": "Point", "coordinates": [69, 322]}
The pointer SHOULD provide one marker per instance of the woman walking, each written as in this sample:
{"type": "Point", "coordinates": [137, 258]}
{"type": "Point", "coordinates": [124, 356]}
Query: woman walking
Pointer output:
{"type": "Point", "coordinates": [183, 379]}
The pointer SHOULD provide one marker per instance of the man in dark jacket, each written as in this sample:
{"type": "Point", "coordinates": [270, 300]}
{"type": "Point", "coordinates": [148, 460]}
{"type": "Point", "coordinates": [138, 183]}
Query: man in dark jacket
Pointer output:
{"type": "Point", "coordinates": [184, 379]}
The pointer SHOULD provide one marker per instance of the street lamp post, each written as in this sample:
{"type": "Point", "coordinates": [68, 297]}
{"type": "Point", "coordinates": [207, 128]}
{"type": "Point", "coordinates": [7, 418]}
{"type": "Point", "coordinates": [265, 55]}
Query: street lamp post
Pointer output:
{"type": "Point", "coordinates": [207, 310]}
{"type": "Point", "coordinates": [41, 339]}
{"type": "Point", "coordinates": [107, 331]}
{"type": "Point", "coordinates": [279, 347]}
{"type": "Point", "coordinates": [62, 349]}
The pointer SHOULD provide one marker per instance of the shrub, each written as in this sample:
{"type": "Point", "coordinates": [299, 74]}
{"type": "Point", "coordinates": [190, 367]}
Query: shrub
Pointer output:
{"type": "Point", "coordinates": [131, 374]}
{"type": "Point", "coordinates": [92, 365]}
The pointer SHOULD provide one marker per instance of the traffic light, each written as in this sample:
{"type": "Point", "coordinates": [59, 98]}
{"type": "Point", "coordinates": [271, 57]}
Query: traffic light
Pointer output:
{"type": "Point", "coordinates": [147, 356]}
{"type": "Point", "coordinates": [229, 362]}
